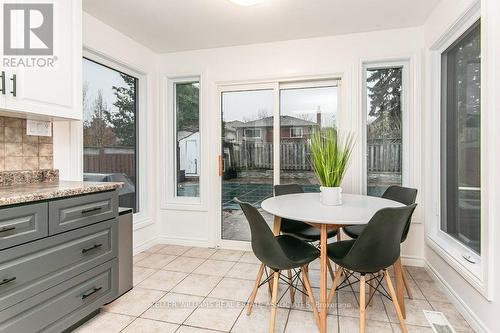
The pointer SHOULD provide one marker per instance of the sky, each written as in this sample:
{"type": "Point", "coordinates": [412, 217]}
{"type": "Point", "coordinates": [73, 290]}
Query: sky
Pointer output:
{"type": "Point", "coordinates": [301, 103]}
{"type": "Point", "coordinates": [100, 77]}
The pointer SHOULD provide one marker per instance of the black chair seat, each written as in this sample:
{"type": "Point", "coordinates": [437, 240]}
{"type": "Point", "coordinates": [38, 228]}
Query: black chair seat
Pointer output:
{"type": "Point", "coordinates": [354, 231]}
{"type": "Point", "coordinates": [303, 230]}
{"type": "Point", "coordinates": [340, 249]}
{"type": "Point", "coordinates": [298, 252]}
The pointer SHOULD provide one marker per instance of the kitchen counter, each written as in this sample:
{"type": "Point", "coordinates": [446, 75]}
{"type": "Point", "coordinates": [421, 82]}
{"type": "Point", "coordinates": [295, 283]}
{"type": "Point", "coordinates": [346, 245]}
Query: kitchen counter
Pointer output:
{"type": "Point", "coordinates": [23, 193]}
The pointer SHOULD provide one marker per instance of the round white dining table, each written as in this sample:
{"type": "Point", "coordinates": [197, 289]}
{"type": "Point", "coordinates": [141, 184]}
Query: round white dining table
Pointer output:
{"type": "Point", "coordinates": [306, 207]}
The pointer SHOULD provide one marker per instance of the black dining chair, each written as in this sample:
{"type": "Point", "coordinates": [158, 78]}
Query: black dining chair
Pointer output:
{"type": "Point", "coordinates": [406, 196]}
{"type": "Point", "coordinates": [376, 249]}
{"type": "Point", "coordinates": [300, 229]}
{"type": "Point", "coordinates": [278, 253]}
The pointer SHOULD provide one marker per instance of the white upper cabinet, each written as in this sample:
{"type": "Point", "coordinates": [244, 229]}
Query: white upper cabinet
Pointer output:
{"type": "Point", "coordinates": [42, 58]}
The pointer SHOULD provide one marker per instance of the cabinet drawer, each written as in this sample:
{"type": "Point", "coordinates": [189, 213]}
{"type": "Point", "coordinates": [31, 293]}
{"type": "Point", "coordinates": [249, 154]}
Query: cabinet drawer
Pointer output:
{"type": "Point", "coordinates": [31, 268]}
{"type": "Point", "coordinates": [23, 224]}
{"type": "Point", "coordinates": [72, 213]}
{"type": "Point", "coordinates": [59, 307]}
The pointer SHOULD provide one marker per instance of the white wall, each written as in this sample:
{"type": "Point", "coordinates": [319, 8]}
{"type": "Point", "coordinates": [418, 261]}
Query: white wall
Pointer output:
{"type": "Point", "coordinates": [481, 313]}
{"type": "Point", "coordinates": [338, 56]}
{"type": "Point", "coordinates": [115, 46]}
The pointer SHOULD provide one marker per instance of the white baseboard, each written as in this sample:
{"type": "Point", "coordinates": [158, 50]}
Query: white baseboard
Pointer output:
{"type": "Point", "coordinates": [145, 245]}
{"type": "Point", "coordinates": [413, 261]}
{"type": "Point", "coordinates": [184, 241]}
{"type": "Point", "coordinates": [475, 323]}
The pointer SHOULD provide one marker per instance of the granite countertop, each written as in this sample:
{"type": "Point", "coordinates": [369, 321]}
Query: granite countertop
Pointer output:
{"type": "Point", "coordinates": [23, 193]}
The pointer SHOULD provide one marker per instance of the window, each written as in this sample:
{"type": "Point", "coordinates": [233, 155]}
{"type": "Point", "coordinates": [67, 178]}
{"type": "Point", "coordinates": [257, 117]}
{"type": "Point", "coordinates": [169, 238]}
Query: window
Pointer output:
{"type": "Point", "coordinates": [296, 132]}
{"type": "Point", "coordinates": [461, 139]}
{"type": "Point", "coordinates": [252, 133]}
{"type": "Point", "coordinates": [110, 129]}
{"type": "Point", "coordinates": [384, 128]}
{"type": "Point", "coordinates": [187, 133]}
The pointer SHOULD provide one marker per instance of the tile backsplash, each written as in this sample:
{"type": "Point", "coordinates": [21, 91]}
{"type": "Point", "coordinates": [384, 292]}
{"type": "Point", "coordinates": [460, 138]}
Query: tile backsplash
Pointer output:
{"type": "Point", "coordinates": [19, 151]}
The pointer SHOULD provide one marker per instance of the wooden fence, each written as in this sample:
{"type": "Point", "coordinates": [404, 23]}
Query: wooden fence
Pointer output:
{"type": "Point", "coordinates": [382, 156]}
{"type": "Point", "coordinates": [109, 160]}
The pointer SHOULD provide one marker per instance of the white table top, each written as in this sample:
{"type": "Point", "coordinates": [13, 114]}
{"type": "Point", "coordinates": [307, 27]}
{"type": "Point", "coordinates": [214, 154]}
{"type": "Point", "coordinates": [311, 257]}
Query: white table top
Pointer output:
{"type": "Point", "coordinates": [306, 207]}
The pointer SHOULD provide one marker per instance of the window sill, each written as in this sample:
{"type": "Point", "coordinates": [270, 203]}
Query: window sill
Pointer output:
{"type": "Point", "coordinates": [189, 204]}
{"type": "Point", "coordinates": [452, 252]}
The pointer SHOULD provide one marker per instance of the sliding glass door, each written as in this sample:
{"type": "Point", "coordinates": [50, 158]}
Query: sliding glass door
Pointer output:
{"type": "Point", "coordinates": [265, 133]}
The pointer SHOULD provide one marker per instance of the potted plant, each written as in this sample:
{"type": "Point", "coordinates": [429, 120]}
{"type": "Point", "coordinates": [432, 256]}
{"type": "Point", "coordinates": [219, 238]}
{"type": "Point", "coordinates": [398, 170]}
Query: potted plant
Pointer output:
{"type": "Point", "coordinates": [330, 155]}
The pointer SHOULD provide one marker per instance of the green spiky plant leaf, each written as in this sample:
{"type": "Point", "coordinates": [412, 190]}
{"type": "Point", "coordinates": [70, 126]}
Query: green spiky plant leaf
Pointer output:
{"type": "Point", "coordinates": [330, 154]}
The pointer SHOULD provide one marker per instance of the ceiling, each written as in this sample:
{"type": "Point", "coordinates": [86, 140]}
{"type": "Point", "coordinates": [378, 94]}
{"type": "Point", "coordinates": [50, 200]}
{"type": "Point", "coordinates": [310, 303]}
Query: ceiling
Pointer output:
{"type": "Point", "coordinates": [179, 25]}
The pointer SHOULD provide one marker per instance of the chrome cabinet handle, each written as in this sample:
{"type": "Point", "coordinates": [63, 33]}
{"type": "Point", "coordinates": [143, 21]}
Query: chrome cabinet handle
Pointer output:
{"type": "Point", "coordinates": [7, 229]}
{"type": "Point", "coordinates": [91, 292]}
{"type": "Point", "coordinates": [5, 281]}
{"type": "Point", "coordinates": [91, 248]}
{"type": "Point", "coordinates": [91, 210]}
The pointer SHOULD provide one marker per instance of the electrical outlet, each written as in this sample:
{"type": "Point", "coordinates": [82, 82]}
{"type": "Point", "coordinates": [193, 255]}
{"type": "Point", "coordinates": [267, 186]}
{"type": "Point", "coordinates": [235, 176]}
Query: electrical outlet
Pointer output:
{"type": "Point", "coordinates": [38, 128]}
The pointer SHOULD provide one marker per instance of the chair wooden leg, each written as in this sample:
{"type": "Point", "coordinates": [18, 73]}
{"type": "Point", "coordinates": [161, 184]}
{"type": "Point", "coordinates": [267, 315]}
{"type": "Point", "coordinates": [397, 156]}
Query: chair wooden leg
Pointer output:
{"type": "Point", "coordinates": [292, 290]}
{"type": "Point", "coordinates": [309, 290]}
{"type": "Point", "coordinates": [330, 269]}
{"type": "Point", "coordinates": [395, 301]}
{"type": "Point", "coordinates": [407, 284]}
{"type": "Point", "coordinates": [371, 290]}
{"type": "Point", "coordinates": [339, 236]}
{"type": "Point", "coordinates": [274, 300]}
{"type": "Point", "coordinates": [305, 275]}
{"type": "Point", "coordinates": [362, 304]}
{"type": "Point", "coordinates": [251, 300]}
{"type": "Point", "coordinates": [398, 276]}
{"type": "Point", "coordinates": [335, 283]}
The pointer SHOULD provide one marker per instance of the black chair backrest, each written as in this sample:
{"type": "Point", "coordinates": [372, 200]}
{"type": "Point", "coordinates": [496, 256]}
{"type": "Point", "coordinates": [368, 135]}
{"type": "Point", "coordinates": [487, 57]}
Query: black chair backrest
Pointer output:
{"type": "Point", "coordinates": [287, 189]}
{"type": "Point", "coordinates": [378, 246]}
{"type": "Point", "coordinates": [264, 244]}
{"type": "Point", "coordinates": [404, 195]}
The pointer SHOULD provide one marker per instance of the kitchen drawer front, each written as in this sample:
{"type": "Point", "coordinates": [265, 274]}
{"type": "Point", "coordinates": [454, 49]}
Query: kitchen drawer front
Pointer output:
{"type": "Point", "coordinates": [61, 306]}
{"type": "Point", "coordinates": [72, 213]}
{"type": "Point", "coordinates": [31, 268]}
{"type": "Point", "coordinates": [23, 224]}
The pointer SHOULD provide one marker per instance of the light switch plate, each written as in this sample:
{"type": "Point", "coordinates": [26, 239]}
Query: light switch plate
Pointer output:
{"type": "Point", "coordinates": [38, 127]}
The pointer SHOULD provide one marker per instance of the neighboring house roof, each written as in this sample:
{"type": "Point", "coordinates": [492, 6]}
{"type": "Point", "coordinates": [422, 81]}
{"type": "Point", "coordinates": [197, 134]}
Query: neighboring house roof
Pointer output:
{"type": "Point", "coordinates": [284, 120]}
{"type": "Point", "coordinates": [181, 135]}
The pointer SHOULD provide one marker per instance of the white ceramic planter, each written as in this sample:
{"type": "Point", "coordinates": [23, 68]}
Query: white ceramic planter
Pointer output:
{"type": "Point", "coordinates": [331, 196]}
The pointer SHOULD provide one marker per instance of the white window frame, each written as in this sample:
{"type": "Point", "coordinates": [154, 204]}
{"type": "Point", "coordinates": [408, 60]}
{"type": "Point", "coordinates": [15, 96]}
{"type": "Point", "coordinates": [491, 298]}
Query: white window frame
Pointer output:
{"type": "Point", "coordinates": [170, 200]}
{"type": "Point", "coordinates": [253, 136]}
{"type": "Point", "coordinates": [143, 217]}
{"type": "Point", "coordinates": [276, 85]}
{"type": "Point", "coordinates": [301, 135]}
{"type": "Point", "coordinates": [450, 249]}
{"type": "Point", "coordinates": [405, 104]}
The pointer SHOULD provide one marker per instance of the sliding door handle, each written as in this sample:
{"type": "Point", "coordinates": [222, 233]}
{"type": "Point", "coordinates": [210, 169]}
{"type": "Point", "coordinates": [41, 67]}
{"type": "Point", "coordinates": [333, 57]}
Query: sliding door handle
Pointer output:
{"type": "Point", "coordinates": [220, 165]}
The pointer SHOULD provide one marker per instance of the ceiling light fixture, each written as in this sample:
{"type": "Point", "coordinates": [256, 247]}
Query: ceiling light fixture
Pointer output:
{"type": "Point", "coordinates": [245, 2]}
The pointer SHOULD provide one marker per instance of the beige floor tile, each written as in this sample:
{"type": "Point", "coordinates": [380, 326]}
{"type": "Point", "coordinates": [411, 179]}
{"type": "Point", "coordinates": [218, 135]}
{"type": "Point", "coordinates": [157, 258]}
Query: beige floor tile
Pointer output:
{"type": "Point", "coordinates": [173, 308]}
{"type": "Point", "coordinates": [348, 306]}
{"type": "Point", "coordinates": [195, 284]}
{"type": "Point", "coordinates": [175, 250]}
{"type": "Point", "coordinates": [258, 321]}
{"type": "Point", "coordinates": [249, 258]}
{"type": "Point", "coordinates": [184, 264]}
{"type": "Point", "coordinates": [135, 302]}
{"type": "Point", "coordinates": [414, 311]}
{"type": "Point", "coordinates": [199, 252]}
{"type": "Point", "coordinates": [214, 267]}
{"type": "Point", "coordinates": [454, 317]}
{"type": "Point", "coordinates": [139, 256]}
{"type": "Point", "coordinates": [314, 277]}
{"type": "Point", "coordinates": [141, 273]}
{"type": "Point", "coordinates": [432, 291]}
{"type": "Point", "coordinates": [412, 329]}
{"type": "Point", "coordinates": [215, 314]}
{"type": "Point", "coordinates": [105, 322]}
{"type": "Point", "coordinates": [351, 325]}
{"type": "Point", "coordinates": [156, 261]}
{"type": "Point", "coordinates": [418, 273]}
{"type": "Point", "coordinates": [245, 271]}
{"type": "Point", "coordinates": [163, 280]}
{"type": "Point", "coordinates": [149, 326]}
{"type": "Point", "coordinates": [188, 329]}
{"type": "Point", "coordinates": [228, 255]}
{"type": "Point", "coordinates": [233, 289]}
{"type": "Point", "coordinates": [303, 321]}
{"type": "Point", "coordinates": [155, 248]}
